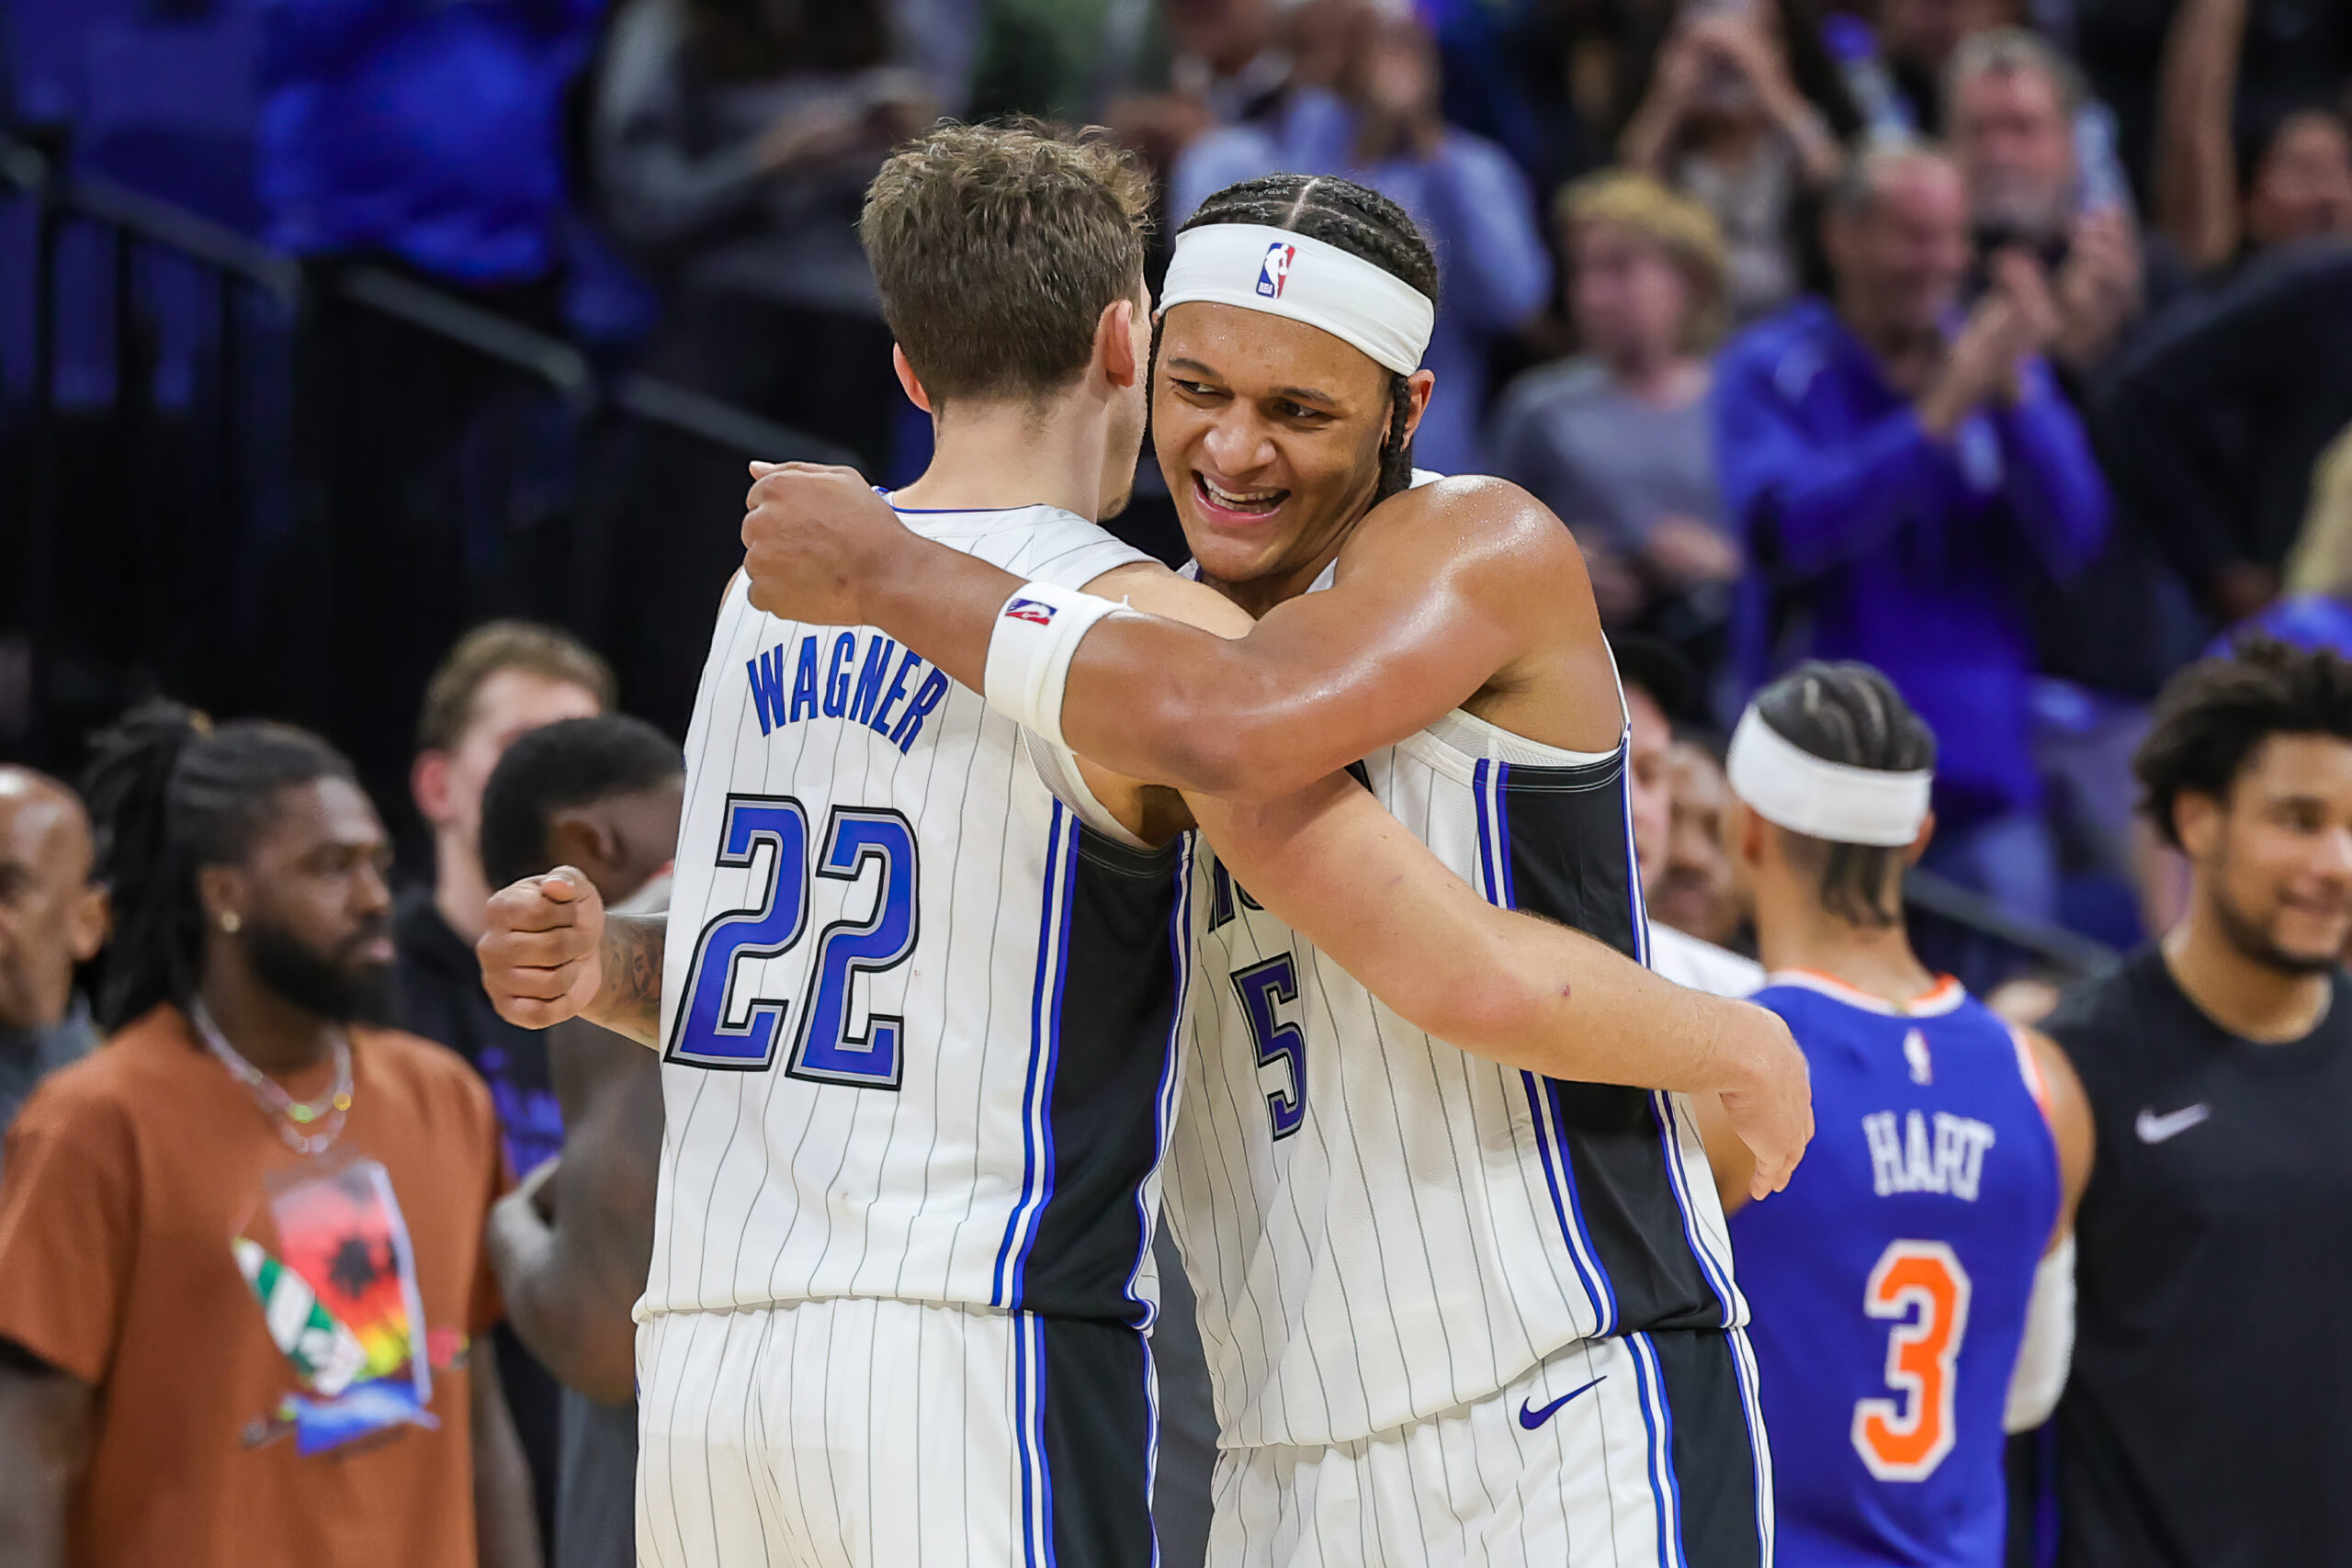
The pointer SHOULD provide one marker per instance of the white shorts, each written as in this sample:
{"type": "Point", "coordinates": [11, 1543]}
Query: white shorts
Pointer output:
{"type": "Point", "coordinates": [1639, 1452]}
{"type": "Point", "coordinates": [854, 1433]}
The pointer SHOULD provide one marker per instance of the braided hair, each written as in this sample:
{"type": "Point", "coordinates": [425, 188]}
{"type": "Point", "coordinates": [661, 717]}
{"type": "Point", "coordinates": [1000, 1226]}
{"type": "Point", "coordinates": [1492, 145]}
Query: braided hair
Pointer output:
{"type": "Point", "coordinates": [169, 794]}
{"type": "Point", "coordinates": [1362, 223]}
{"type": "Point", "coordinates": [1849, 713]}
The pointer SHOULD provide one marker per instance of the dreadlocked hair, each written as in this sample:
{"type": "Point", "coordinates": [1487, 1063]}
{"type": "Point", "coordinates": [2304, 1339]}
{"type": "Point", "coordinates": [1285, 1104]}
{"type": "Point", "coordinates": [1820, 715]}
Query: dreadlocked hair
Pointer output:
{"type": "Point", "coordinates": [1849, 713]}
{"type": "Point", "coordinates": [1362, 223]}
{"type": "Point", "coordinates": [170, 792]}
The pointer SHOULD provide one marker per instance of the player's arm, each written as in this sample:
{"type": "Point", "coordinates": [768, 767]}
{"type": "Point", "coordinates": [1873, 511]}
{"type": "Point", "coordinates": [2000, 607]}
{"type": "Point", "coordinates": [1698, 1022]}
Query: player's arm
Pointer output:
{"type": "Point", "coordinates": [1728, 1157]}
{"type": "Point", "coordinates": [44, 1443]}
{"type": "Point", "coordinates": [569, 1278]}
{"type": "Point", "coordinates": [1330, 862]}
{"type": "Point", "coordinates": [549, 951]}
{"type": "Point", "coordinates": [2048, 1349]}
{"type": "Point", "coordinates": [1453, 588]}
{"type": "Point", "coordinates": [506, 1522]}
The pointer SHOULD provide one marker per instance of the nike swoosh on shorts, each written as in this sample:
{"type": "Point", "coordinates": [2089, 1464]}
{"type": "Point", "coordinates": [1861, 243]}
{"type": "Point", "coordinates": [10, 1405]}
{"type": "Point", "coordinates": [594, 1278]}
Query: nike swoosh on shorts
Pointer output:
{"type": "Point", "coordinates": [1532, 1418]}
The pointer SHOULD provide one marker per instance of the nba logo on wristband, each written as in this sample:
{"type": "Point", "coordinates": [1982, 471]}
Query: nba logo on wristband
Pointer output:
{"type": "Point", "coordinates": [1274, 271]}
{"type": "Point", "coordinates": [1030, 610]}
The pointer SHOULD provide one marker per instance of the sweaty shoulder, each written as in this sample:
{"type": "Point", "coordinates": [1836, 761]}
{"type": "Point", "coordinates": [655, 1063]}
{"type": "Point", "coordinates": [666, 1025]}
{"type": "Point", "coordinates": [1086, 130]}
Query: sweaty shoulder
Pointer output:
{"type": "Point", "coordinates": [1471, 522]}
{"type": "Point", "coordinates": [1153, 588]}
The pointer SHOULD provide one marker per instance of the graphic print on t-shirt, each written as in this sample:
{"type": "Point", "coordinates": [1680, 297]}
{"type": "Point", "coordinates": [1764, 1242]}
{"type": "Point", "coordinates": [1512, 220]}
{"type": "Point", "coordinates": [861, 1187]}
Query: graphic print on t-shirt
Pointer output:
{"type": "Point", "coordinates": [339, 1295]}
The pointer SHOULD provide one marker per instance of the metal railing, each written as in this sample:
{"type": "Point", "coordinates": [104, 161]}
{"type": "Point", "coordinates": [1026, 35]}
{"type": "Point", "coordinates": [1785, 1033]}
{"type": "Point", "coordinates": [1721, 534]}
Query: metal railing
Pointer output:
{"type": "Point", "coordinates": [144, 523]}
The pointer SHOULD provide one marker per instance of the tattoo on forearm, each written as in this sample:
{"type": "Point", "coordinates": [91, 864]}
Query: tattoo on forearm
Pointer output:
{"type": "Point", "coordinates": [631, 1001]}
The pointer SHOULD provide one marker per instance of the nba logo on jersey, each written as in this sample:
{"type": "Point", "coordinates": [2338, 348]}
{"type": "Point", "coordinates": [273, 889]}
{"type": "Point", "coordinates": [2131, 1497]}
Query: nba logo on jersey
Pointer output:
{"type": "Point", "coordinates": [1275, 270]}
{"type": "Point", "coordinates": [1036, 613]}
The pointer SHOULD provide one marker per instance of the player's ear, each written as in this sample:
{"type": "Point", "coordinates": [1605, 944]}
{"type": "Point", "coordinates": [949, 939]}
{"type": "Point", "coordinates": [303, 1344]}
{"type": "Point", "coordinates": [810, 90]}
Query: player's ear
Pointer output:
{"type": "Point", "coordinates": [1417, 387]}
{"type": "Point", "coordinates": [909, 380]}
{"type": "Point", "coordinates": [2197, 822]}
{"type": "Point", "coordinates": [1114, 344]}
{"type": "Point", "coordinates": [1920, 841]}
{"type": "Point", "coordinates": [428, 783]}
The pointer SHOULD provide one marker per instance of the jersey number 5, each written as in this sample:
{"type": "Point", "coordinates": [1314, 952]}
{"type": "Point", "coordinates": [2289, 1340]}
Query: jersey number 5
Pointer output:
{"type": "Point", "coordinates": [1263, 987]}
{"type": "Point", "coordinates": [770, 834]}
{"type": "Point", "coordinates": [1922, 1283]}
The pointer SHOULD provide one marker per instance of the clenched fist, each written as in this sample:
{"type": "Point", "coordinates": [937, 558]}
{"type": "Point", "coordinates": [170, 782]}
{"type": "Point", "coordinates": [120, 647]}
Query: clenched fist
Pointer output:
{"type": "Point", "coordinates": [541, 948]}
{"type": "Point", "coordinates": [814, 538]}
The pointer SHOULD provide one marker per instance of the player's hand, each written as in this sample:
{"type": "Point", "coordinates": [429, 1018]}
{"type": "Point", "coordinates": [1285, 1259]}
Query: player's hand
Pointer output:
{"type": "Point", "coordinates": [540, 948]}
{"type": "Point", "coordinates": [814, 536]}
{"type": "Point", "coordinates": [1773, 1113]}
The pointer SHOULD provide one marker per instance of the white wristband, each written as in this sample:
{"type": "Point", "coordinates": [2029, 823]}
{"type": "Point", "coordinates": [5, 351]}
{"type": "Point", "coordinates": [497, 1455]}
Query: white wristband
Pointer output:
{"type": "Point", "coordinates": [1036, 636]}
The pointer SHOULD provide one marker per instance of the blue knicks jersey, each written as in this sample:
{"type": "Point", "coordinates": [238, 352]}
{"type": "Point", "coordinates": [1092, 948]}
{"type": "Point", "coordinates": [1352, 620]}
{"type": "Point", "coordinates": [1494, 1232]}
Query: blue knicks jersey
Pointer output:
{"type": "Point", "coordinates": [1889, 1282]}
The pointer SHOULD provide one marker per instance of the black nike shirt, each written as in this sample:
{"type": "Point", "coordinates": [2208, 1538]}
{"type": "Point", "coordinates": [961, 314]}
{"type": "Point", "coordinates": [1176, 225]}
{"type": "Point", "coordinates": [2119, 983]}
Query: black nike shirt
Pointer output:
{"type": "Point", "coordinates": [2208, 1420]}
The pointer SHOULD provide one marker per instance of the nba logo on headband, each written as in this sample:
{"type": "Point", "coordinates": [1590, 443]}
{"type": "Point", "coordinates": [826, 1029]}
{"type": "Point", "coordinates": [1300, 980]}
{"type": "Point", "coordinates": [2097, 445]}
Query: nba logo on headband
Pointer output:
{"type": "Point", "coordinates": [1274, 271]}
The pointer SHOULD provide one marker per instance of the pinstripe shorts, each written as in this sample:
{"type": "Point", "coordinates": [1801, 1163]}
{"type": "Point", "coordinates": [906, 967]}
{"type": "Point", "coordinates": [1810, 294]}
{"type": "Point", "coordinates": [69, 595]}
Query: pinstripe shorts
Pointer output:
{"type": "Point", "coordinates": [1632, 1452]}
{"type": "Point", "coordinates": [855, 1433]}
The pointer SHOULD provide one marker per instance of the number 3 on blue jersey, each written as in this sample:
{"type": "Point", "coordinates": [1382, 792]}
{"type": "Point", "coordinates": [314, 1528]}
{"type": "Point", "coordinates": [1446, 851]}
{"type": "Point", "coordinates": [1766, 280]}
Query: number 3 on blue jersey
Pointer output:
{"type": "Point", "coordinates": [1262, 987]}
{"type": "Point", "coordinates": [776, 828]}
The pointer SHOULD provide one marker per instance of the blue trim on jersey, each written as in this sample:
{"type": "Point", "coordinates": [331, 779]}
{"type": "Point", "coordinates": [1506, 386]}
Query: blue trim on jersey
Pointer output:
{"type": "Point", "coordinates": [1719, 1278]}
{"type": "Point", "coordinates": [1493, 870]}
{"type": "Point", "coordinates": [1151, 1448]}
{"type": "Point", "coordinates": [1180, 944]}
{"type": "Point", "coordinates": [1665, 1492]}
{"type": "Point", "coordinates": [1057, 870]}
{"type": "Point", "coordinates": [1053, 1045]}
{"type": "Point", "coordinates": [1751, 1411]}
{"type": "Point", "coordinates": [1031, 1455]}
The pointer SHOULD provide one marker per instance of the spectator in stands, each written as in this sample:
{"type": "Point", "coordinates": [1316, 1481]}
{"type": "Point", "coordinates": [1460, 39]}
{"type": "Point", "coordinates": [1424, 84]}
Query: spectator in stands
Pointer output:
{"type": "Point", "coordinates": [1695, 892]}
{"type": "Point", "coordinates": [1742, 110]}
{"type": "Point", "coordinates": [501, 681]}
{"type": "Point", "coordinates": [572, 1243]}
{"type": "Point", "coordinates": [1618, 441]}
{"type": "Point", "coordinates": [1381, 129]}
{"type": "Point", "coordinates": [52, 917]}
{"type": "Point", "coordinates": [2201, 1422]}
{"type": "Point", "coordinates": [733, 143]}
{"type": "Point", "coordinates": [1898, 489]}
{"type": "Point", "coordinates": [1917, 39]}
{"type": "Point", "coordinates": [243, 1304]}
{"type": "Point", "coordinates": [2217, 420]}
{"type": "Point", "coordinates": [425, 133]}
{"type": "Point", "coordinates": [1658, 683]}
{"type": "Point", "coordinates": [2012, 109]}
{"type": "Point", "coordinates": [1228, 63]}
{"type": "Point", "coordinates": [2227, 188]}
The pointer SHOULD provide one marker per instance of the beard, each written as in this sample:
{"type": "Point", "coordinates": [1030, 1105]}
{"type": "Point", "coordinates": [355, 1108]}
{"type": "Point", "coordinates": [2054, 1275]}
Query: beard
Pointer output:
{"type": "Point", "coordinates": [335, 986]}
{"type": "Point", "coordinates": [2252, 941]}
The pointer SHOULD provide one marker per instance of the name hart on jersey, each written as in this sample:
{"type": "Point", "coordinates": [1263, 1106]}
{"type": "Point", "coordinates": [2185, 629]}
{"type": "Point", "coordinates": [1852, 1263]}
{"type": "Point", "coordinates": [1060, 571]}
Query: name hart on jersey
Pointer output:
{"type": "Point", "coordinates": [855, 683]}
{"type": "Point", "coordinates": [1904, 1157]}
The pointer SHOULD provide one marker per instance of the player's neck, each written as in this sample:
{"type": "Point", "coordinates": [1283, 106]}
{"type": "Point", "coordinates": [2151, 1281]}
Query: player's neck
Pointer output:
{"type": "Point", "coordinates": [2252, 1000]}
{"type": "Point", "coordinates": [1793, 931]}
{"type": "Point", "coordinates": [992, 456]}
{"type": "Point", "coordinates": [460, 892]}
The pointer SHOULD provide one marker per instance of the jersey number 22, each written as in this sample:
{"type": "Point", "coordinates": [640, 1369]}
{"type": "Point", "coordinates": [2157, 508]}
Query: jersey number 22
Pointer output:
{"type": "Point", "coordinates": [775, 829]}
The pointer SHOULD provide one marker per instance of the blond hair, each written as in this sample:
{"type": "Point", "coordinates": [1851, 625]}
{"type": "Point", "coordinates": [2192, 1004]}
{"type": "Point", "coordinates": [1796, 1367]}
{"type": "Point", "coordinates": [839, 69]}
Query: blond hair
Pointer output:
{"type": "Point", "coordinates": [996, 249]}
{"type": "Point", "coordinates": [1680, 227]}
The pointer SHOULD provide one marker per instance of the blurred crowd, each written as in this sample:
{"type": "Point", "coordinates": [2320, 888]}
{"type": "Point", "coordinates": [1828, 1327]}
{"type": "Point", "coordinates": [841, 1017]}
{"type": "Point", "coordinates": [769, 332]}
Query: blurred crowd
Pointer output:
{"type": "Point", "coordinates": [2003, 344]}
{"type": "Point", "coordinates": [2006, 344]}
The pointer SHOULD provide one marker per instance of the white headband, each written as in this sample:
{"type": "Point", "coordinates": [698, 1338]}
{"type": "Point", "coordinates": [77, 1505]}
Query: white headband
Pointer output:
{"type": "Point", "coordinates": [1791, 788]}
{"type": "Point", "coordinates": [1282, 274]}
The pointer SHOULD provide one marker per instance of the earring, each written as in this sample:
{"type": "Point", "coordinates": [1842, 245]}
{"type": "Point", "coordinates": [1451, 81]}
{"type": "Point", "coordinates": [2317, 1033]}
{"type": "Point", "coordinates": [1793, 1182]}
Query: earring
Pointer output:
{"type": "Point", "coordinates": [230, 922]}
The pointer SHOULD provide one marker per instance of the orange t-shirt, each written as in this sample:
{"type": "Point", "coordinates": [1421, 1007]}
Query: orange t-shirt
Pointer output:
{"type": "Point", "coordinates": [278, 1343]}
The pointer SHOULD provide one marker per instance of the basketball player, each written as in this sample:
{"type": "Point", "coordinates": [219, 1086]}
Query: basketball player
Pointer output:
{"type": "Point", "coordinates": [1913, 1287]}
{"type": "Point", "coordinates": [937, 1203]}
{"type": "Point", "coordinates": [1454, 1313]}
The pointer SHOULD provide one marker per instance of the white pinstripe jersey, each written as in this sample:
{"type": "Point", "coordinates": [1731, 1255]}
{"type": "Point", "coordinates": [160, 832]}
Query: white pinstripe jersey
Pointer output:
{"type": "Point", "coordinates": [1380, 1227]}
{"type": "Point", "coordinates": [919, 1023]}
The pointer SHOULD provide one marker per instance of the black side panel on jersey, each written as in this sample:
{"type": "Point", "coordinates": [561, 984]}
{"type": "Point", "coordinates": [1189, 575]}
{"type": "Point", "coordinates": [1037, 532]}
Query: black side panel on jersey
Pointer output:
{"type": "Point", "coordinates": [1567, 854]}
{"type": "Point", "coordinates": [1106, 1072]}
{"type": "Point", "coordinates": [1096, 1403]}
{"type": "Point", "coordinates": [1713, 1449]}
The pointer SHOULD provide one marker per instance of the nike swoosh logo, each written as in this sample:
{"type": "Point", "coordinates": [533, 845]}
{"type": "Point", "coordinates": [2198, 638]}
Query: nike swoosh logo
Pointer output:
{"type": "Point", "coordinates": [1532, 1418]}
{"type": "Point", "coordinates": [2156, 1129]}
